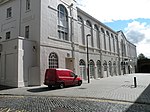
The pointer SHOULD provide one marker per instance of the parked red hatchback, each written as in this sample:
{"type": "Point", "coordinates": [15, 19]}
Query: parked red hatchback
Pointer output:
{"type": "Point", "coordinates": [61, 77]}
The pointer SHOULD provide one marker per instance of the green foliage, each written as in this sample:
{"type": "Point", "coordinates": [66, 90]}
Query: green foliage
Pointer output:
{"type": "Point", "coordinates": [141, 57]}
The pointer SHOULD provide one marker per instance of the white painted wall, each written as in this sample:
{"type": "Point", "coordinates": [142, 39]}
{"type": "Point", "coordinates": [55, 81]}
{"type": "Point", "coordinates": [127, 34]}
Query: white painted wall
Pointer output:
{"type": "Point", "coordinates": [9, 24]}
{"type": "Point", "coordinates": [28, 65]}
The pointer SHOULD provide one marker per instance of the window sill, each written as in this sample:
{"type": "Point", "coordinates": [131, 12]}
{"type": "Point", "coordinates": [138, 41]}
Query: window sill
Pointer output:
{"type": "Point", "coordinates": [27, 10]}
{"type": "Point", "coordinates": [8, 18]}
{"type": "Point", "coordinates": [56, 39]}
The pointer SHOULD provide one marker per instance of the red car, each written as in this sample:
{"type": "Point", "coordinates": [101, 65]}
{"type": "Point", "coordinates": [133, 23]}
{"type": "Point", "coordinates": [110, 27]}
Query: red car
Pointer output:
{"type": "Point", "coordinates": [61, 77]}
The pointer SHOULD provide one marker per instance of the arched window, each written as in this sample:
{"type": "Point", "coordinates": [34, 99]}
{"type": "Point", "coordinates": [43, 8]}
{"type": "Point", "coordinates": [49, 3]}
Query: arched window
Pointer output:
{"type": "Point", "coordinates": [102, 30]}
{"type": "Point", "coordinates": [97, 35]}
{"type": "Point", "coordinates": [92, 69]}
{"type": "Point", "coordinates": [98, 63]}
{"type": "Point", "coordinates": [80, 20]}
{"type": "Point", "coordinates": [109, 40]}
{"type": "Point", "coordinates": [82, 66]}
{"type": "Point", "coordinates": [62, 22]}
{"type": "Point", "coordinates": [53, 60]}
{"type": "Point", "coordinates": [110, 68]}
{"type": "Point", "coordinates": [105, 65]}
{"type": "Point", "coordinates": [88, 23]}
{"type": "Point", "coordinates": [122, 48]}
{"type": "Point", "coordinates": [115, 71]}
{"type": "Point", "coordinates": [99, 68]}
{"type": "Point", "coordinates": [82, 62]}
{"type": "Point", "coordinates": [107, 33]}
{"type": "Point", "coordinates": [104, 38]}
{"type": "Point", "coordinates": [112, 35]}
{"type": "Point", "coordinates": [113, 42]}
{"type": "Point", "coordinates": [116, 46]}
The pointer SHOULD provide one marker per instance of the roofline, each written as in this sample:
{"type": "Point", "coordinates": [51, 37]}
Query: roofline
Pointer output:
{"type": "Point", "coordinates": [85, 13]}
{"type": "Point", "coordinates": [4, 1]}
{"type": "Point", "coordinates": [116, 32]}
{"type": "Point", "coordinates": [63, 69]}
{"type": "Point", "coordinates": [125, 37]}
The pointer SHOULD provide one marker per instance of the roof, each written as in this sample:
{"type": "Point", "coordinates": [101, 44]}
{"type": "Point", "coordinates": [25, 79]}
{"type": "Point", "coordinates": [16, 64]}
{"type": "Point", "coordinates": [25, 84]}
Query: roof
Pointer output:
{"type": "Point", "coordinates": [63, 69]}
{"type": "Point", "coordinates": [94, 19]}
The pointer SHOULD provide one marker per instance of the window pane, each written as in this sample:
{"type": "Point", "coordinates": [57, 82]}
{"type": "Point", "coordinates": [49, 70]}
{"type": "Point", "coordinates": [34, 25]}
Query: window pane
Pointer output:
{"type": "Point", "coordinates": [53, 60]}
{"type": "Point", "coordinates": [27, 4]}
{"type": "Point", "coordinates": [9, 12]}
{"type": "Point", "coordinates": [27, 32]}
{"type": "Point", "coordinates": [62, 23]}
{"type": "Point", "coordinates": [7, 35]}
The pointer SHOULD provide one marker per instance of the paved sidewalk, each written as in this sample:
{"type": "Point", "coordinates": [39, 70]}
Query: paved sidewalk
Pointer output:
{"type": "Point", "coordinates": [115, 88]}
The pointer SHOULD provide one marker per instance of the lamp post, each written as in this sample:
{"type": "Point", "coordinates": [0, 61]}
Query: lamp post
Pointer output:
{"type": "Point", "coordinates": [88, 35]}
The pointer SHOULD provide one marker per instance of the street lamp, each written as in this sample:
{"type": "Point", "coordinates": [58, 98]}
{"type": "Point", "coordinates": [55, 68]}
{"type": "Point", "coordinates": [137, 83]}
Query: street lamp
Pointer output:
{"type": "Point", "coordinates": [88, 35]}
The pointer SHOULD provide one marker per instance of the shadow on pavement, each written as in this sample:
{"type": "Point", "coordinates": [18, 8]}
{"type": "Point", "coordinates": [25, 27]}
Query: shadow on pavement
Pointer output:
{"type": "Point", "coordinates": [142, 103]}
{"type": "Point", "coordinates": [42, 89]}
{"type": "Point", "coordinates": [2, 87]}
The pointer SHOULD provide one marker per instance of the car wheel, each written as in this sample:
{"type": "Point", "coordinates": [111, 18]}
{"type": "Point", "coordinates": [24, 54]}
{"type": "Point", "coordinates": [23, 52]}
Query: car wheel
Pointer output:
{"type": "Point", "coordinates": [61, 85]}
{"type": "Point", "coordinates": [79, 83]}
{"type": "Point", "coordinates": [49, 86]}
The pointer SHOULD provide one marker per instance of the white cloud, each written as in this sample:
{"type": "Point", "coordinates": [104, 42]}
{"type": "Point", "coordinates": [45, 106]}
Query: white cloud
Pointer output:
{"type": "Point", "coordinates": [110, 10]}
{"type": "Point", "coordinates": [139, 34]}
{"type": "Point", "coordinates": [113, 10]}
{"type": "Point", "coordinates": [143, 48]}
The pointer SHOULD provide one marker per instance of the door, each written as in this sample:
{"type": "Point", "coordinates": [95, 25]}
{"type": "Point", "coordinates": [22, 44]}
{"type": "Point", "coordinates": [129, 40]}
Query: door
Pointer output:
{"type": "Point", "coordinates": [82, 69]}
{"type": "Point", "coordinates": [99, 69]}
{"type": "Point", "coordinates": [83, 72]}
{"type": "Point", "coordinates": [70, 63]}
{"type": "Point", "coordinates": [110, 68]}
{"type": "Point", "coordinates": [74, 80]}
{"type": "Point", "coordinates": [10, 65]}
{"type": "Point", "coordinates": [0, 67]}
{"type": "Point", "coordinates": [92, 69]}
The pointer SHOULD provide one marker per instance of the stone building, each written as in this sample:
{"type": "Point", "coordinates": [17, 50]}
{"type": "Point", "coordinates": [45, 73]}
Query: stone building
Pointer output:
{"type": "Point", "coordinates": [40, 34]}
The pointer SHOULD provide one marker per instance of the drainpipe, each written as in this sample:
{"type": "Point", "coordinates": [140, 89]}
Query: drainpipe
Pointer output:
{"type": "Point", "coordinates": [20, 18]}
{"type": "Point", "coordinates": [118, 56]}
{"type": "Point", "coordinates": [71, 33]}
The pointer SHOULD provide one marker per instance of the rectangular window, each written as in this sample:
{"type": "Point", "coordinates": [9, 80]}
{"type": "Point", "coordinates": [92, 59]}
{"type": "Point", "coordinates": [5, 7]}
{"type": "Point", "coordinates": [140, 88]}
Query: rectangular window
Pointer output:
{"type": "Point", "coordinates": [7, 35]}
{"type": "Point", "coordinates": [27, 32]}
{"type": "Point", "coordinates": [9, 12]}
{"type": "Point", "coordinates": [59, 34]}
{"type": "Point", "coordinates": [27, 4]}
{"type": "Point", "coordinates": [1, 48]}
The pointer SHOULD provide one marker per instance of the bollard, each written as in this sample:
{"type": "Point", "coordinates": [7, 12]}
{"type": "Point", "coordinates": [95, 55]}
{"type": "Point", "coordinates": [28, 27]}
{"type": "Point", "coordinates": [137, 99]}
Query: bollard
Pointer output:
{"type": "Point", "coordinates": [135, 83]}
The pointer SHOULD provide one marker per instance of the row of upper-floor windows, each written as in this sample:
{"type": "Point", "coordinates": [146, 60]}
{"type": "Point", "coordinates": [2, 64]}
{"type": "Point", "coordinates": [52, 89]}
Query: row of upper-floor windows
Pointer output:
{"type": "Point", "coordinates": [122, 45]}
{"type": "Point", "coordinates": [63, 24]}
{"type": "Point", "coordinates": [9, 9]}
{"type": "Point", "coordinates": [111, 43]}
{"type": "Point", "coordinates": [9, 12]}
{"type": "Point", "coordinates": [62, 20]}
{"type": "Point", "coordinates": [89, 24]}
{"type": "Point", "coordinates": [8, 34]}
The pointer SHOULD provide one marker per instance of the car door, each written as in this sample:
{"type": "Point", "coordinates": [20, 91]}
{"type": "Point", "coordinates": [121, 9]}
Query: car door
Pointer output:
{"type": "Point", "coordinates": [73, 78]}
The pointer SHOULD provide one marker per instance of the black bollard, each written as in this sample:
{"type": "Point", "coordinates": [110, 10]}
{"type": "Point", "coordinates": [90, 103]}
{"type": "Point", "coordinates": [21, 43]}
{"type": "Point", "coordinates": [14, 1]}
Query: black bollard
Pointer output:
{"type": "Point", "coordinates": [135, 83]}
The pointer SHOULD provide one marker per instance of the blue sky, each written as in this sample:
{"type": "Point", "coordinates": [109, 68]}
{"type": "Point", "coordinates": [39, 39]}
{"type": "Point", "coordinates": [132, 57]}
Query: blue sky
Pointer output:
{"type": "Point", "coordinates": [121, 24]}
{"type": "Point", "coordinates": [130, 16]}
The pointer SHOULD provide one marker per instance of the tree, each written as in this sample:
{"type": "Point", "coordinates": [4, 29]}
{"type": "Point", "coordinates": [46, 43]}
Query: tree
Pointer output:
{"type": "Point", "coordinates": [141, 56]}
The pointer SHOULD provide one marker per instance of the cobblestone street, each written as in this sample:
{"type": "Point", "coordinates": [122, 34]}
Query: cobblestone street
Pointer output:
{"type": "Point", "coordinates": [113, 94]}
{"type": "Point", "coordinates": [10, 103]}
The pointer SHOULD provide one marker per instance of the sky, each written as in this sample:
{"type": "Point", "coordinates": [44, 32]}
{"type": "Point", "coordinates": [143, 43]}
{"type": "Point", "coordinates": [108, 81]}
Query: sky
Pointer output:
{"type": "Point", "coordinates": [130, 16]}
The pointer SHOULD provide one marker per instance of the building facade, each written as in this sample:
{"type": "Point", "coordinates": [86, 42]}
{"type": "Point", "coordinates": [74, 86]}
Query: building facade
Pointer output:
{"type": "Point", "coordinates": [40, 34]}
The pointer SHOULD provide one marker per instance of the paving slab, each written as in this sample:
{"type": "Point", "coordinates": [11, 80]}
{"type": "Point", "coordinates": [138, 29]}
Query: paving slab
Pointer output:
{"type": "Point", "coordinates": [115, 88]}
